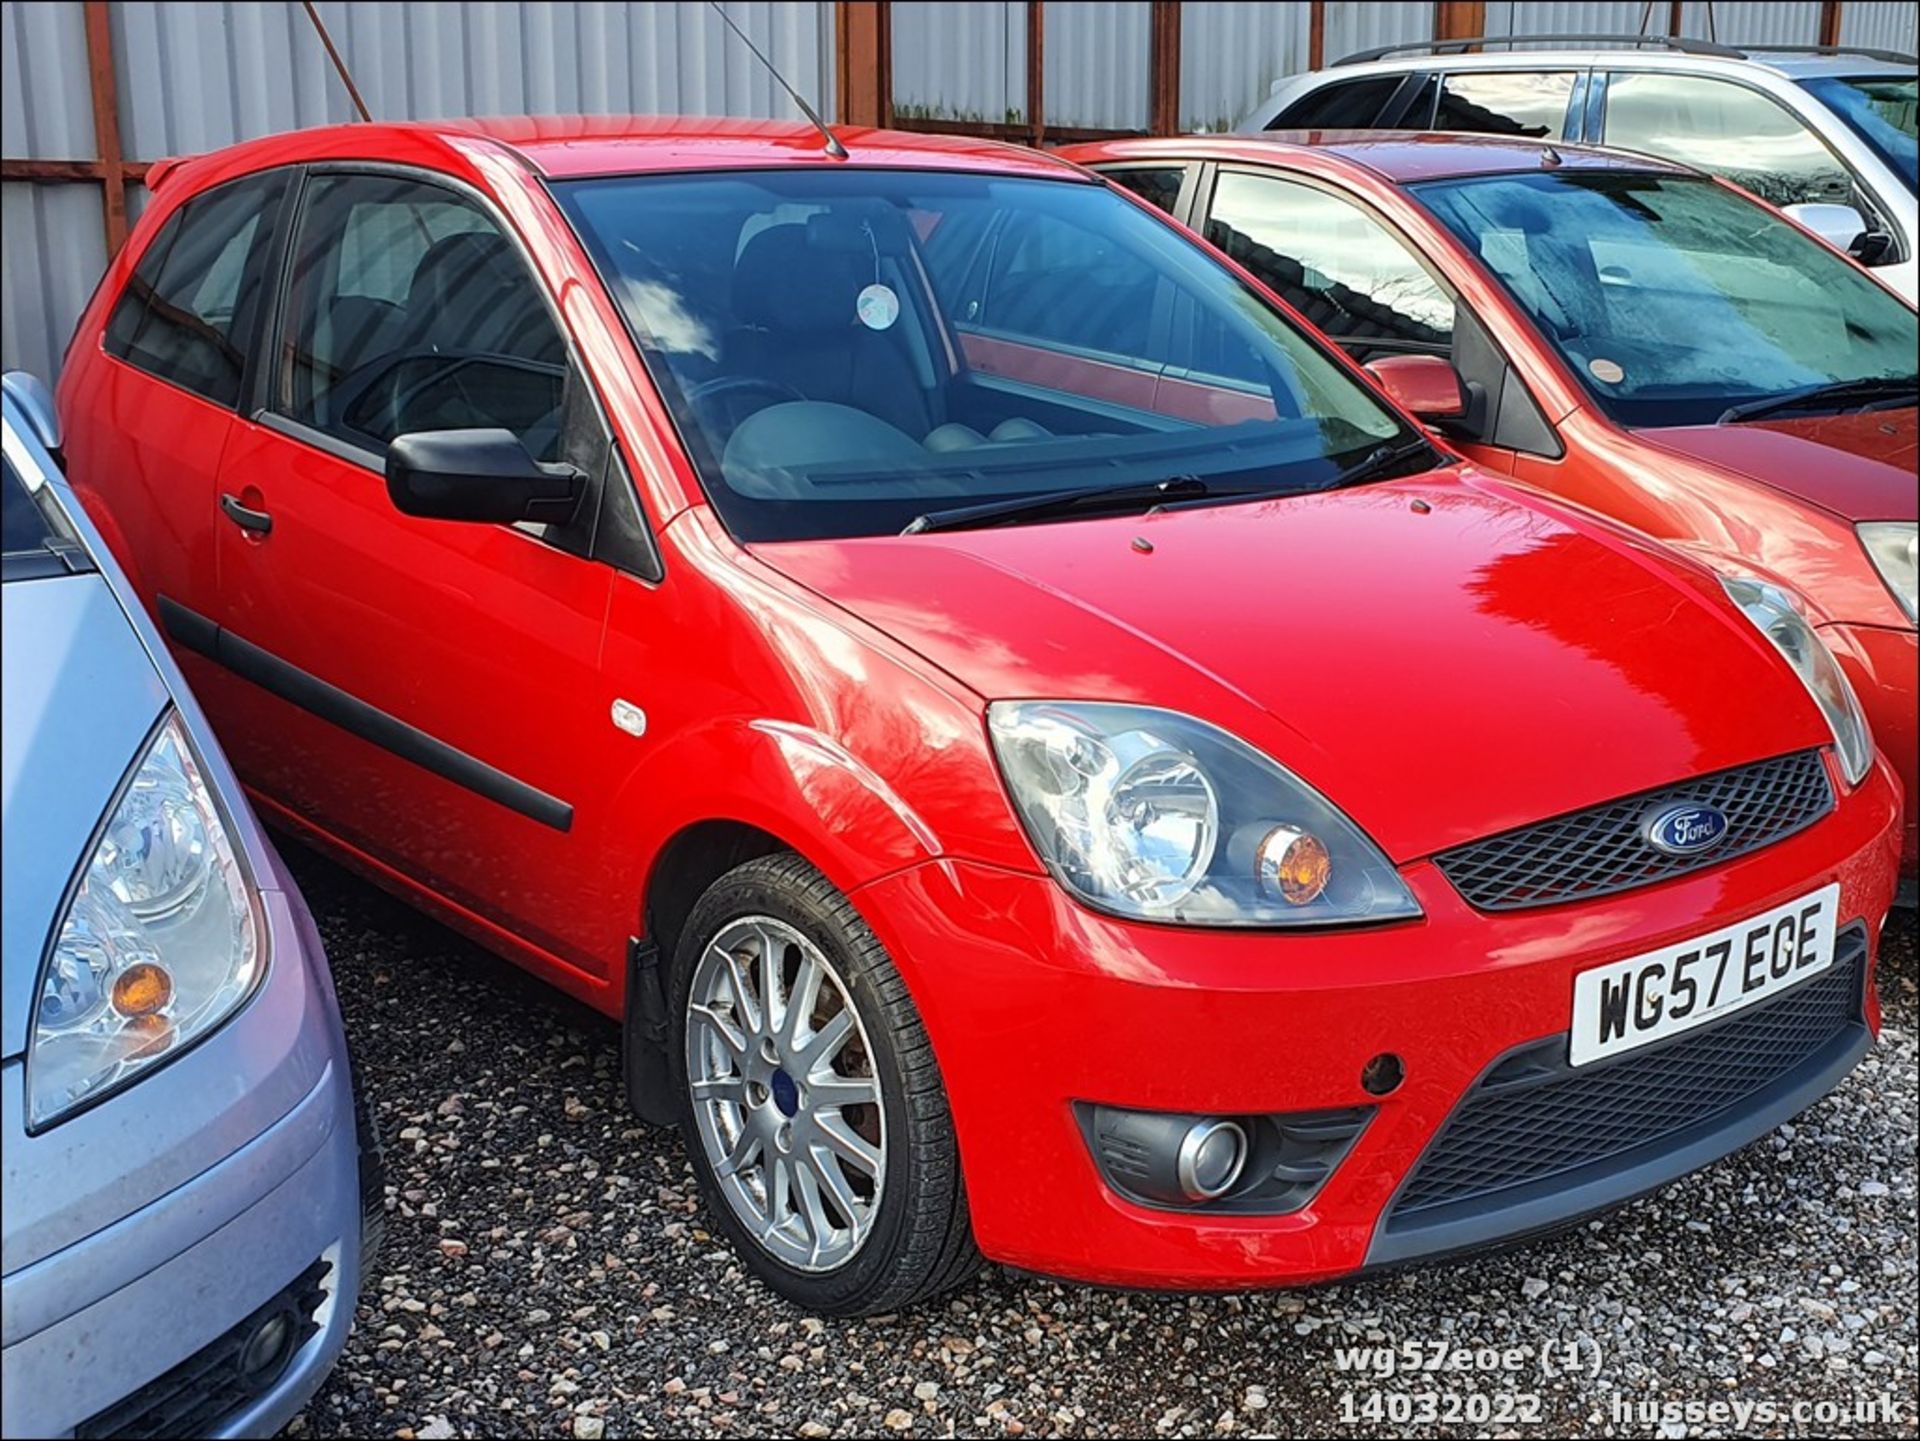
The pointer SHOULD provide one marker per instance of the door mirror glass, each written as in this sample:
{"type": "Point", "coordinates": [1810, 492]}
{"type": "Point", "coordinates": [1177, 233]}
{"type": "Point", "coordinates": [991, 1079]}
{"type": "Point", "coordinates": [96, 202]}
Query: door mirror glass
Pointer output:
{"type": "Point", "coordinates": [1425, 386]}
{"type": "Point", "coordinates": [480, 475]}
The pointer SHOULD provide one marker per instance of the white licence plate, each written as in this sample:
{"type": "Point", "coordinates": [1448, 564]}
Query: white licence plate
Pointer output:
{"type": "Point", "coordinates": [1631, 1003]}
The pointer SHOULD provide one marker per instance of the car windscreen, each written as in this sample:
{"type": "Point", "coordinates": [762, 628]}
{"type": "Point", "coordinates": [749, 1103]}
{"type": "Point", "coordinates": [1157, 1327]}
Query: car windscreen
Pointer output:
{"type": "Point", "coordinates": [1880, 110]}
{"type": "Point", "coordinates": [1674, 298]}
{"type": "Point", "coordinates": [845, 350]}
{"type": "Point", "coordinates": [37, 541]}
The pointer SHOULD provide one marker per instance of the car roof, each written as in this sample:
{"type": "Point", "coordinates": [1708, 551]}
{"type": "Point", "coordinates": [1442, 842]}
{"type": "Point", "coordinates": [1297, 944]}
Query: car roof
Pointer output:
{"type": "Point", "coordinates": [1399, 156]}
{"type": "Point", "coordinates": [575, 146]}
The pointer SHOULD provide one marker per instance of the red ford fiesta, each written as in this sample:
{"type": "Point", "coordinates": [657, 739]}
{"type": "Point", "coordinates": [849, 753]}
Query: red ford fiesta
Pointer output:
{"type": "Point", "coordinates": [1044, 759]}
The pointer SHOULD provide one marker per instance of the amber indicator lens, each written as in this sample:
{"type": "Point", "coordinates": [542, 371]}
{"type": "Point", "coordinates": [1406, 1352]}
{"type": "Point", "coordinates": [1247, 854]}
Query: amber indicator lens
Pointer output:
{"type": "Point", "coordinates": [1294, 865]}
{"type": "Point", "coordinates": [142, 990]}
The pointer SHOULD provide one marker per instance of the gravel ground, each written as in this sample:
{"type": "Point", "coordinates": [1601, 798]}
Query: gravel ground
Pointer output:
{"type": "Point", "coordinates": [548, 1272]}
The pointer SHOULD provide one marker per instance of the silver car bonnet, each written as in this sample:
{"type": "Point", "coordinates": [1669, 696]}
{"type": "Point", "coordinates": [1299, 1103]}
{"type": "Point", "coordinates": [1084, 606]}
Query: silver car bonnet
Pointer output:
{"type": "Point", "coordinates": [80, 695]}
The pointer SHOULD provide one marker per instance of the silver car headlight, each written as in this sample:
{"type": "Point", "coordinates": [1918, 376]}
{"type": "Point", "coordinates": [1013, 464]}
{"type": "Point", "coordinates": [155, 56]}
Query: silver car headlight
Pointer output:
{"type": "Point", "coordinates": [1894, 548]}
{"type": "Point", "coordinates": [1156, 816]}
{"type": "Point", "coordinates": [1773, 611]}
{"type": "Point", "coordinates": [160, 941]}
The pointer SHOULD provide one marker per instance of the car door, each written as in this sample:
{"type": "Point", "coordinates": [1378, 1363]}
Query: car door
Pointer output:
{"type": "Point", "coordinates": [1734, 130]}
{"type": "Point", "coordinates": [427, 692]}
{"type": "Point", "coordinates": [1343, 266]}
{"type": "Point", "coordinates": [149, 413]}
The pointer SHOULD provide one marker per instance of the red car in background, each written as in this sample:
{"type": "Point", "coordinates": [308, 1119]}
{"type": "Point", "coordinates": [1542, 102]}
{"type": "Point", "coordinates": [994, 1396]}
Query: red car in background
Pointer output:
{"type": "Point", "coordinates": [1043, 758]}
{"type": "Point", "coordinates": [1616, 330]}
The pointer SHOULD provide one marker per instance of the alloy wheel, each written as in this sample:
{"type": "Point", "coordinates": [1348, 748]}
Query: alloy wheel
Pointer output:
{"type": "Point", "coordinates": [785, 1098]}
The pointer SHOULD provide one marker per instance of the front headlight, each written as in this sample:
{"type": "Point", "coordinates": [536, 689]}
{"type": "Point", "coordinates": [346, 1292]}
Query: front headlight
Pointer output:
{"type": "Point", "coordinates": [1157, 816]}
{"type": "Point", "coordinates": [1894, 548]}
{"type": "Point", "coordinates": [1770, 608]}
{"type": "Point", "coordinates": [159, 943]}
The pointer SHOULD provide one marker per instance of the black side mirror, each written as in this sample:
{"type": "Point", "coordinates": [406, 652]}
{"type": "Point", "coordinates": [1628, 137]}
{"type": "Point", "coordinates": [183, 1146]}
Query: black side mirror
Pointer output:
{"type": "Point", "coordinates": [483, 475]}
{"type": "Point", "coordinates": [1871, 247]}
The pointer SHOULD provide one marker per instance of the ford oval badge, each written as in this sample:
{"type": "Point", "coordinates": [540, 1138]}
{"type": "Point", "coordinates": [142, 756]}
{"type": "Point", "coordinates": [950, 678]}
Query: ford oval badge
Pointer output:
{"type": "Point", "coordinates": [1685, 830]}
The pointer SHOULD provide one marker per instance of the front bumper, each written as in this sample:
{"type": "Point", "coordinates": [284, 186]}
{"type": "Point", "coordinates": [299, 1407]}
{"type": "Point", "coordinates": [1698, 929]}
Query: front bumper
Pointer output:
{"type": "Point", "coordinates": [94, 1319]}
{"type": "Point", "coordinates": [1034, 1003]}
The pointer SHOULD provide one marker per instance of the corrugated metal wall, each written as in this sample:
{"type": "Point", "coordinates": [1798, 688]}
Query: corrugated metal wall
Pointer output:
{"type": "Point", "coordinates": [956, 61]}
{"type": "Point", "coordinates": [45, 112]}
{"type": "Point", "coordinates": [1753, 22]}
{"type": "Point", "coordinates": [1232, 53]}
{"type": "Point", "coordinates": [1097, 60]}
{"type": "Point", "coordinates": [197, 76]}
{"type": "Point", "coordinates": [52, 250]}
{"type": "Point", "coordinates": [1581, 17]}
{"type": "Point", "coordinates": [1883, 24]}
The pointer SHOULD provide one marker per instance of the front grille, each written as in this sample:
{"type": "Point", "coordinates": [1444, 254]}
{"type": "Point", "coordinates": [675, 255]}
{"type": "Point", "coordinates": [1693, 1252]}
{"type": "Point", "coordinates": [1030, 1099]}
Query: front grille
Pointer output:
{"type": "Point", "coordinates": [218, 1379]}
{"type": "Point", "coordinates": [1601, 850]}
{"type": "Point", "coordinates": [1533, 1117]}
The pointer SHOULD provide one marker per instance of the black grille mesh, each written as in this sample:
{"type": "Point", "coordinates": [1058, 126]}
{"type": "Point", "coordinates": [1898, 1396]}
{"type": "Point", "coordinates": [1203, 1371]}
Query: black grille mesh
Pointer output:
{"type": "Point", "coordinates": [213, 1383]}
{"type": "Point", "coordinates": [1533, 1117]}
{"type": "Point", "coordinates": [1600, 850]}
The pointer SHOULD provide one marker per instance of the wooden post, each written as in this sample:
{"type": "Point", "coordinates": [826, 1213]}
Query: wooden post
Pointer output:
{"type": "Point", "coordinates": [1676, 16]}
{"type": "Point", "coordinates": [1457, 19]}
{"type": "Point", "coordinates": [1316, 34]}
{"type": "Point", "coordinates": [1036, 71]}
{"type": "Point", "coordinates": [1163, 69]}
{"type": "Point", "coordinates": [862, 61]}
{"type": "Point", "coordinates": [1830, 22]}
{"type": "Point", "coordinates": [106, 124]}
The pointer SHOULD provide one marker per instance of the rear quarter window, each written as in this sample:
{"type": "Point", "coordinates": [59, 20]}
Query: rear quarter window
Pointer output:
{"type": "Point", "coordinates": [1343, 105]}
{"type": "Point", "coordinates": [187, 313]}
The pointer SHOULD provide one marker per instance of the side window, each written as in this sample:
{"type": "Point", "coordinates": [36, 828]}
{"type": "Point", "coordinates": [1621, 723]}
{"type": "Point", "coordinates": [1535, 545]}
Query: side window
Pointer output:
{"type": "Point", "coordinates": [1344, 105]}
{"type": "Point", "coordinates": [1058, 284]}
{"type": "Point", "coordinates": [409, 310]}
{"type": "Point", "coordinates": [1333, 262]}
{"type": "Point", "coordinates": [1506, 102]}
{"type": "Point", "coordinates": [1727, 129]}
{"type": "Point", "coordinates": [1158, 186]}
{"type": "Point", "coordinates": [188, 311]}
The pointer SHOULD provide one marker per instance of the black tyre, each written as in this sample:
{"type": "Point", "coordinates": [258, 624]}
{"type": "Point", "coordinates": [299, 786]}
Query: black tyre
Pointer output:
{"type": "Point", "coordinates": [812, 1107]}
{"type": "Point", "coordinates": [373, 1184]}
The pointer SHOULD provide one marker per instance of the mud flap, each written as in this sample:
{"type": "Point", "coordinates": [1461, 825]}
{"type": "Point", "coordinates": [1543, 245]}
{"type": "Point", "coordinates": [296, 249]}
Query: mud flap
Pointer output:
{"type": "Point", "coordinates": [644, 1038]}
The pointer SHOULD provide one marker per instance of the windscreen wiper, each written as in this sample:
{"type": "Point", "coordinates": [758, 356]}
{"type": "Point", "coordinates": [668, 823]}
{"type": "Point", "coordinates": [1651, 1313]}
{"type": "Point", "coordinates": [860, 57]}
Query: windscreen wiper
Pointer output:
{"type": "Point", "coordinates": [1835, 393]}
{"type": "Point", "coordinates": [1378, 462]}
{"type": "Point", "coordinates": [1118, 498]}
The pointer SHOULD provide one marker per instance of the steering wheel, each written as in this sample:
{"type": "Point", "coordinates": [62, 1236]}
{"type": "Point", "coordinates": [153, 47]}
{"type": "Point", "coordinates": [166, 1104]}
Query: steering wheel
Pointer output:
{"type": "Point", "coordinates": [703, 395]}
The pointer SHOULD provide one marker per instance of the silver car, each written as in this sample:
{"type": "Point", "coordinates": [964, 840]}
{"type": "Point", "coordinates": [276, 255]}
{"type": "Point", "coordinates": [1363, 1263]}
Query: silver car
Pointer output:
{"type": "Point", "coordinates": [1825, 132]}
{"type": "Point", "coordinates": [185, 1187]}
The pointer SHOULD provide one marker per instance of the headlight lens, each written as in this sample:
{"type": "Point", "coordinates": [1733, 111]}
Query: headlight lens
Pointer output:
{"type": "Point", "coordinates": [1894, 547]}
{"type": "Point", "coordinates": [1157, 816]}
{"type": "Point", "coordinates": [160, 943]}
{"type": "Point", "coordinates": [1770, 608]}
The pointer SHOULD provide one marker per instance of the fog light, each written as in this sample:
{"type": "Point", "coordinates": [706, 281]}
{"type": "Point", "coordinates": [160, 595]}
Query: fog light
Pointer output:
{"type": "Point", "coordinates": [267, 1349]}
{"type": "Point", "coordinates": [1210, 1158]}
{"type": "Point", "coordinates": [1169, 1159]}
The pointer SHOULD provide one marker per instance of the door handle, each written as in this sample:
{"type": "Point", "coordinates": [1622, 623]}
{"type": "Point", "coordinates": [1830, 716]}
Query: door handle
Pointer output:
{"type": "Point", "coordinates": [257, 521]}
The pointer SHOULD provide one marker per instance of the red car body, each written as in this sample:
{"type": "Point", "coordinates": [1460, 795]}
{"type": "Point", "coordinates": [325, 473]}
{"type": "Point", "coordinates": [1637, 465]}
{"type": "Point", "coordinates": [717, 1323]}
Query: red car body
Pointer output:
{"type": "Point", "coordinates": [1776, 498]}
{"type": "Point", "coordinates": [1428, 650]}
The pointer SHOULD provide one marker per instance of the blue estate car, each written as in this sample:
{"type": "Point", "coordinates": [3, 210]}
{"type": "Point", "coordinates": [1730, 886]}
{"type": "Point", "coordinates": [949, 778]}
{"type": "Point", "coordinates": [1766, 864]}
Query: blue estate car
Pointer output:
{"type": "Point", "coordinates": [185, 1184]}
